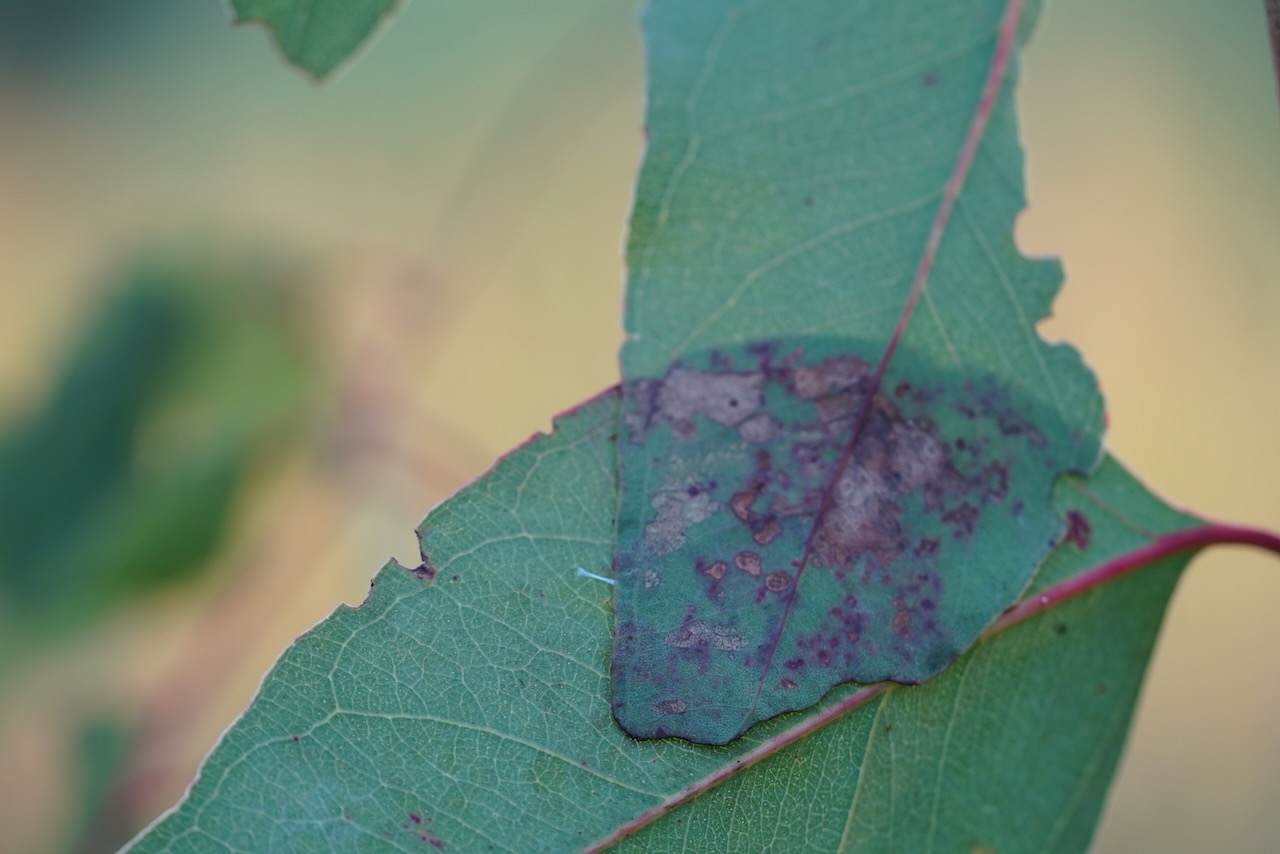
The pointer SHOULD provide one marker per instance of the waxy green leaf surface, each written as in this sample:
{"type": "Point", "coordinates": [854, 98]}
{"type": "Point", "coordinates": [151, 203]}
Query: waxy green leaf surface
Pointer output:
{"type": "Point", "coordinates": [789, 519]}
{"type": "Point", "coordinates": [464, 706]}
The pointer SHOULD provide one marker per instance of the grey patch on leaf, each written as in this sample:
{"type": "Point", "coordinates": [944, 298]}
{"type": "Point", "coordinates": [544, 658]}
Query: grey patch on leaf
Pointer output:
{"type": "Point", "coordinates": [699, 634]}
{"type": "Point", "coordinates": [893, 457]}
{"type": "Point", "coordinates": [760, 428]}
{"type": "Point", "coordinates": [834, 375]}
{"type": "Point", "coordinates": [728, 399]}
{"type": "Point", "coordinates": [677, 510]}
{"type": "Point", "coordinates": [670, 707]}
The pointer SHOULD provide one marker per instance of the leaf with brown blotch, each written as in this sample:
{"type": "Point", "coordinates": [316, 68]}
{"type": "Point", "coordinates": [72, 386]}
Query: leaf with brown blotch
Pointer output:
{"type": "Point", "coordinates": [840, 430]}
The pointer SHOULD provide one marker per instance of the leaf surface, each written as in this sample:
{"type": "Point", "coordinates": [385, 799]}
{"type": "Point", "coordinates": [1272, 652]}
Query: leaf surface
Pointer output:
{"type": "Point", "coordinates": [465, 705]}
{"type": "Point", "coordinates": [798, 511]}
{"type": "Point", "coordinates": [316, 35]}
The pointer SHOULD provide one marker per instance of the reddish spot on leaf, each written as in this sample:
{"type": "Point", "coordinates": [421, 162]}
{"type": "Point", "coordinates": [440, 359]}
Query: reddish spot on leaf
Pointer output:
{"type": "Point", "coordinates": [1079, 530]}
{"type": "Point", "coordinates": [425, 571]}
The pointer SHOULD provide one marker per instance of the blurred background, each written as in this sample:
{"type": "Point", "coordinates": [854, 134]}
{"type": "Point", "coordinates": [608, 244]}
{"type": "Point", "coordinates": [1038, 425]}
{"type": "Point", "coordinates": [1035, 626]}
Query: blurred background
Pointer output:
{"type": "Point", "coordinates": [252, 329]}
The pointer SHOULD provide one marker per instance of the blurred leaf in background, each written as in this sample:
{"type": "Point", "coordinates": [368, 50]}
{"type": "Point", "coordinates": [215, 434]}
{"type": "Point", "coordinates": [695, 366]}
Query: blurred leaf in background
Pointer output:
{"type": "Point", "coordinates": [316, 36]}
{"type": "Point", "coordinates": [123, 479]}
{"type": "Point", "coordinates": [92, 823]}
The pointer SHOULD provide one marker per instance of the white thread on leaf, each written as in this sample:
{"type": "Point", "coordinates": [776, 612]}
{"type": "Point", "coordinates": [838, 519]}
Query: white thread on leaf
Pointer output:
{"type": "Point", "coordinates": [582, 573]}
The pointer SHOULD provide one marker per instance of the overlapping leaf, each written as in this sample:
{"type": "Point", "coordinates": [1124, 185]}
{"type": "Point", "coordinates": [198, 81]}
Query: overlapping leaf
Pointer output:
{"type": "Point", "coordinates": [316, 35]}
{"type": "Point", "coordinates": [790, 518]}
{"type": "Point", "coordinates": [467, 705]}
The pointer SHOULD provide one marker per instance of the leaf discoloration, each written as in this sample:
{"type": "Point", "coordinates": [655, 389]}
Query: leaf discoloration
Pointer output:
{"type": "Point", "coordinates": [752, 549]}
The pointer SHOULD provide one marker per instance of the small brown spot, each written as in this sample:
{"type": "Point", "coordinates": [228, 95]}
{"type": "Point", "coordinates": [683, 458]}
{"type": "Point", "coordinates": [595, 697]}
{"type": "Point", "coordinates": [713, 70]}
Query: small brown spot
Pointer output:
{"type": "Point", "coordinates": [741, 503]}
{"type": "Point", "coordinates": [852, 636]}
{"type": "Point", "coordinates": [415, 818]}
{"type": "Point", "coordinates": [833, 407]}
{"type": "Point", "coordinates": [926, 547]}
{"type": "Point", "coordinates": [963, 519]}
{"type": "Point", "coordinates": [789, 684]}
{"type": "Point", "coordinates": [1079, 531]}
{"type": "Point", "coordinates": [748, 562]}
{"type": "Point", "coordinates": [777, 581]}
{"type": "Point", "coordinates": [1060, 628]}
{"type": "Point", "coordinates": [670, 707]}
{"type": "Point", "coordinates": [425, 571]}
{"type": "Point", "coordinates": [930, 79]}
{"type": "Point", "coordinates": [888, 727]}
{"type": "Point", "coordinates": [901, 622]}
{"type": "Point", "coordinates": [716, 570]}
{"type": "Point", "coordinates": [767, 532]}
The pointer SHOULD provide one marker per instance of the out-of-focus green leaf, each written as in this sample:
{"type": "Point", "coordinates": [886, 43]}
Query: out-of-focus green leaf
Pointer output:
{"type": "Point", "coordinates": [101, 751]}
{"type": "Point", "coordinates": [123, 480]}
{"type": "Point", "coordinates": [316, 35]}
{"type": "Point", "coordinates": [465, 704]}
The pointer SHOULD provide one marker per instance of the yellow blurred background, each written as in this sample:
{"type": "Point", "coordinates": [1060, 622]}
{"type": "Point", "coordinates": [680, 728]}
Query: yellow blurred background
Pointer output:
{"type": "Point", "coordinates": [445, 221]}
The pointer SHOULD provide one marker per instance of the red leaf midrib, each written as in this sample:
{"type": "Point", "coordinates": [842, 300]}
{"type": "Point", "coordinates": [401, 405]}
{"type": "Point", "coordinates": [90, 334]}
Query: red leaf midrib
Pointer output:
{"type": "Point", "coordinates": [1005, 39]}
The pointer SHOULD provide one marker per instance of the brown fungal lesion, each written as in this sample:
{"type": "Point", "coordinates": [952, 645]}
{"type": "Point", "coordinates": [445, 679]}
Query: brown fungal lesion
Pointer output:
{"type": "Point", "coordinates": [894, 456]}
{"type": "Point", "coordinates": [716, 570]}
{"type": "Point", "coordinates": [741, 502]}
{"type": "Point", "coordinates": [748, 562]}
{"type": "Point", "coordinates": [831, 376]}
{"type": "Point", "coordinates": [1079, 531]}
{"type": "Point", "coordinates": [777, 581]}
{"type": "Point", "coordinates": [836, 386]}
{"type": "Point", "coordinates": [767, 531]}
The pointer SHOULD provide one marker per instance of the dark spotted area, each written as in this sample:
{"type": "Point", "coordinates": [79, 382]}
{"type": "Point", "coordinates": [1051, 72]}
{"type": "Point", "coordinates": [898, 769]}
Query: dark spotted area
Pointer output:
{"type": "Point", "coordinates": [1079, 530]}
{"type": "Point", "coordinates": [784, 527]}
